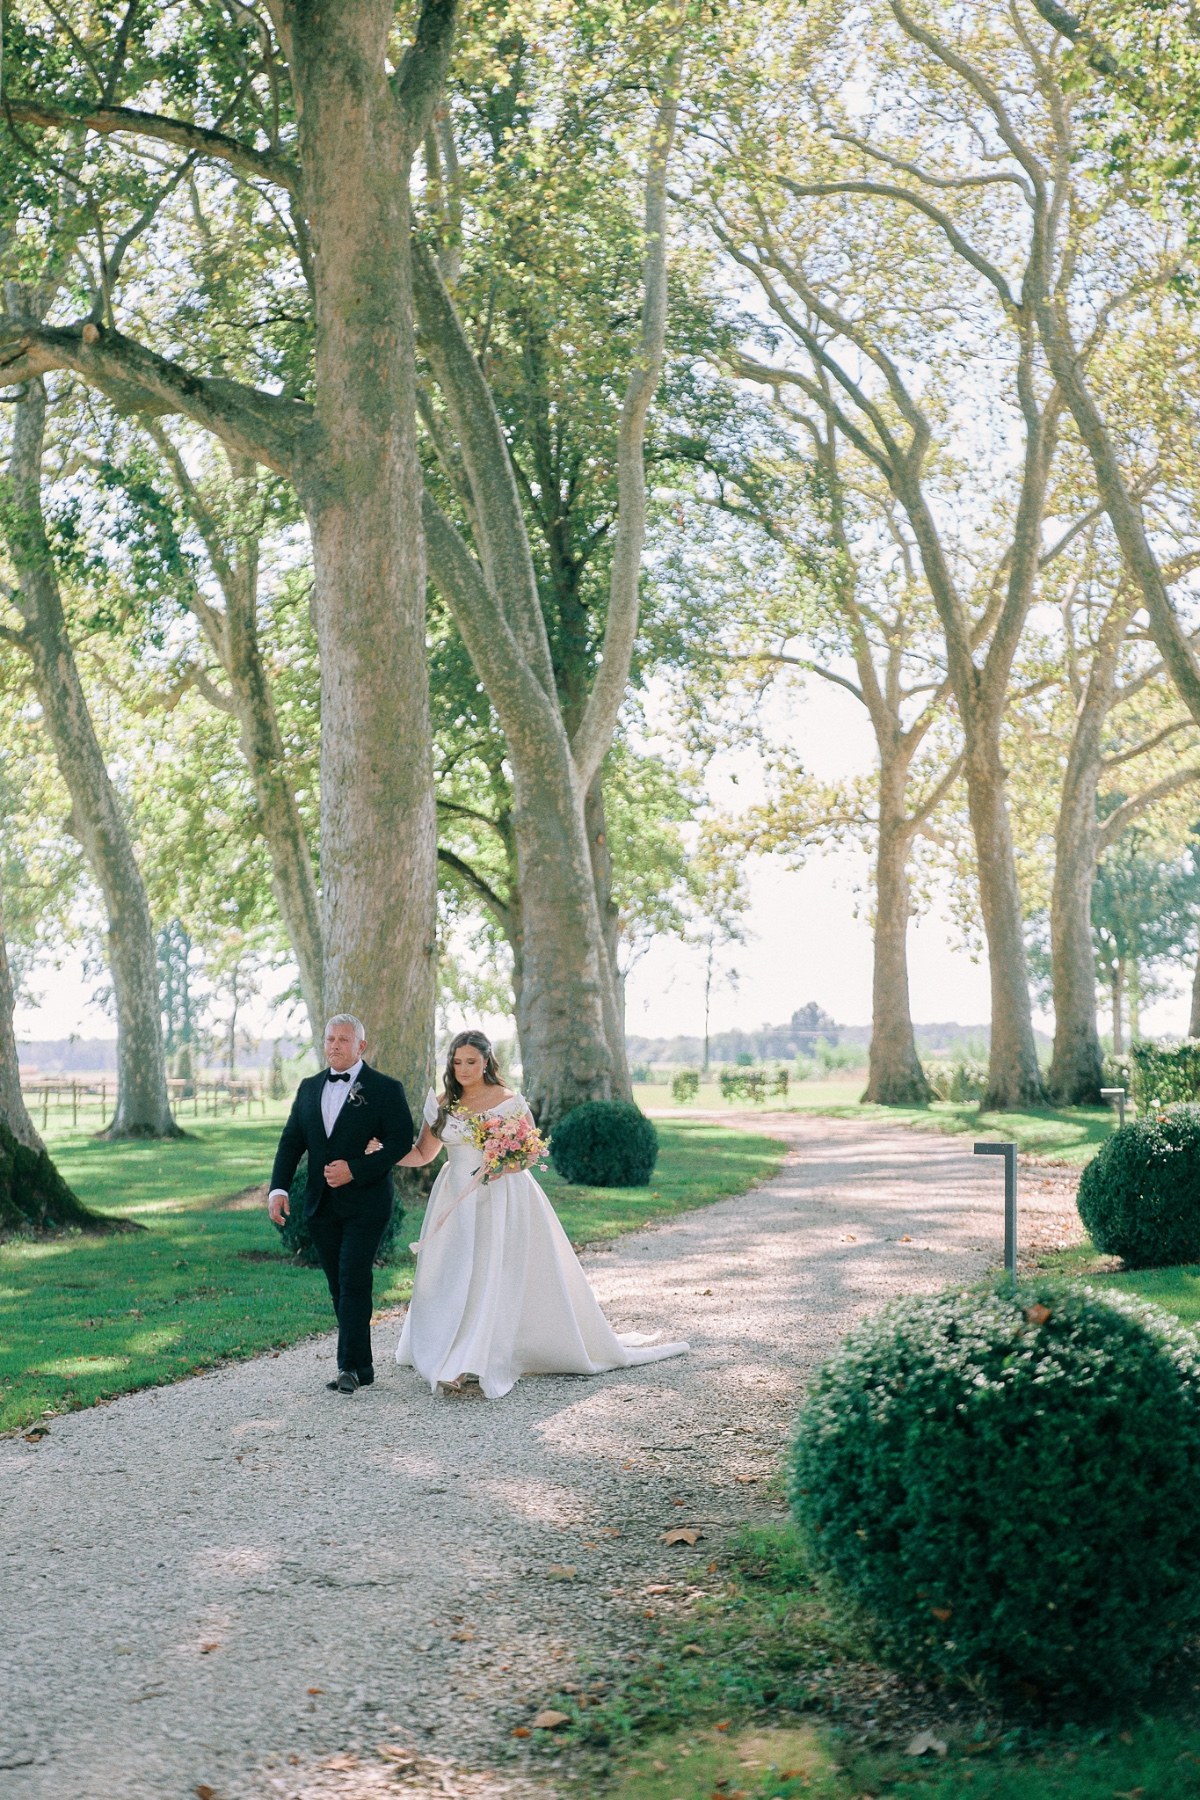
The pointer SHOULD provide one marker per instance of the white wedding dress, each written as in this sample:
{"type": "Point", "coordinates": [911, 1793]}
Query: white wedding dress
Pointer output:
{"type": "Point", "coordinates": [499, 1292]}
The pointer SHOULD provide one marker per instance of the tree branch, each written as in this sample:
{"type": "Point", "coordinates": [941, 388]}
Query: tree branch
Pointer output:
{"type": "Point", "coordinates": [887, 190]}
{"type": "Point", "coordinates": [256, 165]}
{"type": "Point", "coordinates": [265, 427]}
{"type": "Point", "coordinates": [487, 894]}
{"type": "Point", "coordinates": [594, 734]}
{"type": "Point", "coordinates": [1124, 815]}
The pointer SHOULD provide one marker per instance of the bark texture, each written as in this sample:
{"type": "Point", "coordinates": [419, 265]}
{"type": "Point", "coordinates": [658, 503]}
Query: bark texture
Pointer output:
{"type": "Point", "coordinates": [894, 1076]}
{"type": "Point", "coordinates": [568, 1008]}
{"type": "Point", "coordinates": [13, 1111]}
{"type": "Point", "coordinates": [362, 495]}
{"type": "Point", "coordinates": [352, 458]}
{"type": "Point", "coordinates": [142, 1107]}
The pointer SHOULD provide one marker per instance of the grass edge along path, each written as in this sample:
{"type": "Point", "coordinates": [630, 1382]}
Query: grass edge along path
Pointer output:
{"type": "Point", "coordinates": [1063, 1134]}
{"type": "Point", "coordinates": [751, 1688]}
{"type": "Point", "coordinates": [84, 1318]}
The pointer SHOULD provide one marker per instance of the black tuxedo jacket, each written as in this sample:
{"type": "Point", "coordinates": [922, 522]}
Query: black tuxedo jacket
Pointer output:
{"type": "Point", "coordinates": [375, 1107]}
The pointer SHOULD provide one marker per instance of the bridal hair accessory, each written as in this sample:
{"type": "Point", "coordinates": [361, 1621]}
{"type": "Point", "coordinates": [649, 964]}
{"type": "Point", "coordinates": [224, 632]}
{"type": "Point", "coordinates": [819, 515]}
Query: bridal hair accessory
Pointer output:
{"type": "Point", "coordinates": [431, 1109]}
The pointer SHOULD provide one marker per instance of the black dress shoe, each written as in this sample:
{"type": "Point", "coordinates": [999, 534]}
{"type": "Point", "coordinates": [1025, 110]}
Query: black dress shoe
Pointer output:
{"type": "Point", "coordinates": [347, 1382]}
{"type": "Point", "coordinates": [366, 1377]}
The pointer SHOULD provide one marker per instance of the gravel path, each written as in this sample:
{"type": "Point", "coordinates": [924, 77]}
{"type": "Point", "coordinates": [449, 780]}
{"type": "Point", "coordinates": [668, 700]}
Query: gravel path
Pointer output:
{"type": "Point", "coordinates": [242, 1586]}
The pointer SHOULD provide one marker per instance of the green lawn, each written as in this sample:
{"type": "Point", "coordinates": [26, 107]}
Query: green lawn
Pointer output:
{"type": "Point", "coordinates": [1070, 1134]}
{"type": "Point", "coordinates": [750, 1686]}
{"type": "Point", "coordinates": [83, 1318]}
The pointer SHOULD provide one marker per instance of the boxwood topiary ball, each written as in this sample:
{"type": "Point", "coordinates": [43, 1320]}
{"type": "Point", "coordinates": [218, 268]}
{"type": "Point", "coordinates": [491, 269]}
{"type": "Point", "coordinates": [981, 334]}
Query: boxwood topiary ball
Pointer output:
{"type": "Point", "coordinates": [1004, 1481]}
{"type": "Point", "coordinates": [1140, 1196]}
{"type": "Point", "coordinates": [604, 1143]}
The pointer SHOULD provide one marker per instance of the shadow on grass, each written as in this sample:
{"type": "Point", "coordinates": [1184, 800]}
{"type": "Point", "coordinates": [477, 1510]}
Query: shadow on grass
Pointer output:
{"type": "Point", "coordinates": [749, 1687]}
{"type": "Point", "coordinates": [85, 1318]}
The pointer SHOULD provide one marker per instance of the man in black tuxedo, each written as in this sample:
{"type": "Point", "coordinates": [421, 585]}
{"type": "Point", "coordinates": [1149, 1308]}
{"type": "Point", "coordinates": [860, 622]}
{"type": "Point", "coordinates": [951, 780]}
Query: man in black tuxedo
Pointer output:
{"type": "Point", "coordinates": [348, 1201]}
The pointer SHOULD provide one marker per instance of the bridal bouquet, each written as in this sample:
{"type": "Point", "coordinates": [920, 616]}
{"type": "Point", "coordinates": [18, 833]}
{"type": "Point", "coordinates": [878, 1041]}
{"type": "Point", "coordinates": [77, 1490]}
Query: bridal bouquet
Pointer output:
{"type": "Point", "coordinates": [509, 1144]}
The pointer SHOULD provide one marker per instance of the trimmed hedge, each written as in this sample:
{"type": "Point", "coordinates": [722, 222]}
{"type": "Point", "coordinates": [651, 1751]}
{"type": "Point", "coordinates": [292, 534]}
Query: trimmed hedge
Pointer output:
{"type": "Point", "coordinates": [297, 1239]}
{"type": "Point", "coordinates": [1139, 1197]}
{"type": "Point", "coordinates": [1165, 1074]}
{"type": "Point", "coordinates": [1004, 1479]}
{"type": "Point", "coordinates": [685, 1085]}
{"type": "Point", "coordinates": [604, 1143]}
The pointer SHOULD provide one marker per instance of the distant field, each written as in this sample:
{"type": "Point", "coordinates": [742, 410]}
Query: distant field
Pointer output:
{"type": "Point", "coordinates": [1070, 1134]}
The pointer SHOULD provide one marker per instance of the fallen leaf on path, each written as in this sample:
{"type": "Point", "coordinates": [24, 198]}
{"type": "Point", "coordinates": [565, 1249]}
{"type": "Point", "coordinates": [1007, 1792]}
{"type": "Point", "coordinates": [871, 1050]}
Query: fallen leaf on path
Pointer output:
{"type": "Point", "coordinates": [36, 1433]}
{"type": "Point", "coordinates": [205, 1648]}
{"type": "Point", "coordinates": [906, 1239]}
{"type": "Point", "coordinates": [345, 1761]}
{"type": "Point", "coordinates": [683, 1534]}
{"type": "Point", "coordinates": [549, 1719]}
{"type": "Point", "coordinates": [691, 1650]}
{"type": "Point", "coordinates": [707, 1294]}
{"type": "Point", "coordinates": [202, 1791]}
{"type": "Point", "coordinates": [746, 1480]}
{"type": "Point", "coordinates": [395, 1753]}
{"type": "Point", "coordinates": [659, 1587]}
{"type": "Point", "coordinates": [923, 1743]}
{"type": "Point", "coordinates": [610, 1531]}
{"type": "Point", "coordinates": [462, 1637]}
{"type": "Point", "coordinates": [522, 1731]}
{"type": "Point", "coordinates": [561, 1572]}
{"type": "Point", "coordinates": [721, 1725]}
{"type": "Point", "coordinates": [314, 1690]}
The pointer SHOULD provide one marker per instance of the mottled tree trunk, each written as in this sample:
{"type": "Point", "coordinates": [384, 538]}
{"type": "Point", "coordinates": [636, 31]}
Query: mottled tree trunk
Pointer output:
{"type": "Point", "coordinates": [142, 1108]}
{"type": "Point", "coordinates": [1014, 1075]}
{"type": "Point", "coordinates": [13, 1111]}
{"type": "Point", "coordinates": [895, 1076]}
{"type": "Point", "coordinates": [566, 992]}
{"type": "Point", "coordinates": [1194, 1020]}
{"type": "Point", "coordinates": [1076, 1070]}
{"type": "Point", "coordinates": [1077, 1067]}
{"type": "Point", "coordinates": [596, 825]}
{"type": "Point", "coordinates": [1118, 1006]}
{"type": "Point", "coordinates": [571, 1037]}
{"type": "Point", "coordinates": [362, 495]}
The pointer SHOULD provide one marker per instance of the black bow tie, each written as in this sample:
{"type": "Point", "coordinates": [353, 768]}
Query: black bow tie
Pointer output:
{"type": "Point", "coordinates": [334, 1077]}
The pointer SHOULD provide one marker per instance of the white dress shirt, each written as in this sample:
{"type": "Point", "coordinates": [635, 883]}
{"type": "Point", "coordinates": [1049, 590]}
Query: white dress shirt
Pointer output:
{"type": "Point", "coordinates": [333, 1098]}
{"type": "Point", "coordinates": [333, 1095]}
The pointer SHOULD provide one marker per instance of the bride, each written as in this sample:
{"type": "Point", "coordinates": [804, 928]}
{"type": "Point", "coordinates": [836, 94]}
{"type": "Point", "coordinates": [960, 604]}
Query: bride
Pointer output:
{"type": "Point", "coordinates": [499, 1292]}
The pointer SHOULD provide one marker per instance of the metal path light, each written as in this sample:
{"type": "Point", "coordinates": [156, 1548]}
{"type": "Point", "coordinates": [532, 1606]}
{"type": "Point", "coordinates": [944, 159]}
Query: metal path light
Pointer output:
{"type": "Point", "coordinates": [1117, 1094]}
{"type": "Point", "coordinates": [1009, 1153]}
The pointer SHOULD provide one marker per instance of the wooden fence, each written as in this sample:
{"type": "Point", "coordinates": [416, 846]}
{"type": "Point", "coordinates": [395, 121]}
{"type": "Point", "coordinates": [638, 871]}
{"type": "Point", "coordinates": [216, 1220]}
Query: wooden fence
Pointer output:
{"type": "Point", "coordinates": [55, 1098]}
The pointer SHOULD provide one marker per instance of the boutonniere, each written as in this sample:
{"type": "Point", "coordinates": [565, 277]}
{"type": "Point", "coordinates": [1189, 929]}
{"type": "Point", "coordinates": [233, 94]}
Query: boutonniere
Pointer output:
{"type": "Point", "coordinates": [355, 1096]}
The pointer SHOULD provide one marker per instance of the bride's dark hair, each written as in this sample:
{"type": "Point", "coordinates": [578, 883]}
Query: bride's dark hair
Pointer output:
{"type": "Point", "coordinates": [452, 1092]}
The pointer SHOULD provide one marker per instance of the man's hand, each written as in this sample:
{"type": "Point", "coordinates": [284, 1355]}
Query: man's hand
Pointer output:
{"type": "Point", "coordinates": [337, 1174]}
{"type": "Point", "coordinates": [278, 1208]}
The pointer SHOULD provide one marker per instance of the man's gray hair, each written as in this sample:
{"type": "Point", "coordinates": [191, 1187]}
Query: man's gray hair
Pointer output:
{"type": "Point", "coordinates": [348, 1019]}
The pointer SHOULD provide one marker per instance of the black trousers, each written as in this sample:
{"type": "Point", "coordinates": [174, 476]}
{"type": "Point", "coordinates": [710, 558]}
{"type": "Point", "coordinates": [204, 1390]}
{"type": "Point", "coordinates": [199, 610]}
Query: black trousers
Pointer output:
{"type": "Point", "coordinates": [346, 1233]}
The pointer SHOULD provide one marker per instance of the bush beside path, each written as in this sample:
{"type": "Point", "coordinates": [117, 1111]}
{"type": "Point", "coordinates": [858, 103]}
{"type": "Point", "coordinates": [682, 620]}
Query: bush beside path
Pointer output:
{"type": "Point", "coordinates": [243, 1585]}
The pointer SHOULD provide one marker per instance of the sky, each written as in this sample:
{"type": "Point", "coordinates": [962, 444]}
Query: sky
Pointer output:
{"type": "Point", "coordinates": [805, 940]}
